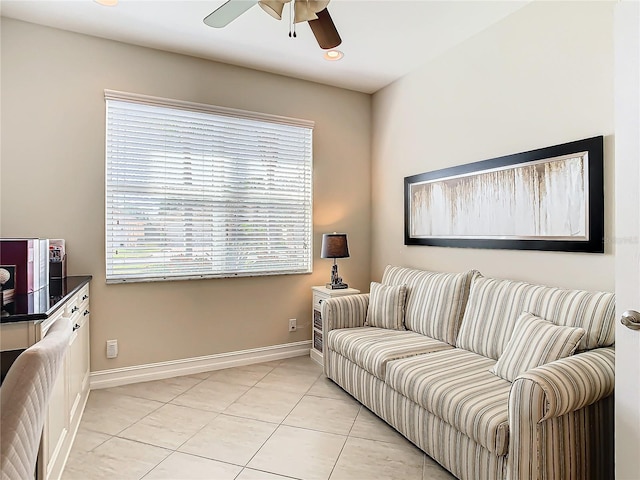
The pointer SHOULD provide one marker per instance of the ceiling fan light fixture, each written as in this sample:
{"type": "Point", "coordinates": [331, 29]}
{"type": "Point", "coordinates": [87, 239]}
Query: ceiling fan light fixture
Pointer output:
{"type": "Point", "coordinates": [273, 7]}
{"type": "Point", "coordinates": [317, 5]}
{"type": "Point", "coordinates": [107, 3]}
{"type": "Point", "coordinates": [333, 55]}
{"type": "Point", "coordinates": [303, 12]}
{"type": "Point", "coordinates": [314, 12]}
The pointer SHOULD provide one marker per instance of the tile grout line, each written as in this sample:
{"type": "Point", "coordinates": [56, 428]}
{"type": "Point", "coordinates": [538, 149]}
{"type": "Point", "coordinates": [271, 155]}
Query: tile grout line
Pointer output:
{"type": "Point", "coordinates": [298, 368]}
{"type": "Point", "coordinates": [280, 425]}
{"type": "Point", "coordinates": [176, 450]}
{"type": "Point", "coordinates": [117, 435]}
{"type": "Point", "coordinates": [242, 467]}
{"type": "Point", "coordinates": [267, 439]}
{"type": "Point", "coordinates": [344, 444]}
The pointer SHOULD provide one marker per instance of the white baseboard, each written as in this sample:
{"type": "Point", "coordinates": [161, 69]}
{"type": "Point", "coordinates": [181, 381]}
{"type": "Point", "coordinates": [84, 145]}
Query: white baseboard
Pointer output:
{"type": "Point", "coordinates": [317, 356]}
{"type": "Point", "coordinates": [189, 366]}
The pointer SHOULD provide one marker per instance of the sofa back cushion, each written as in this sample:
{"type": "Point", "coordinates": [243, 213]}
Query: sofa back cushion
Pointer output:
{"type": "Point", "coordinates": [435, 301]}
{"type": "Point", "coordinates": [495, 305]}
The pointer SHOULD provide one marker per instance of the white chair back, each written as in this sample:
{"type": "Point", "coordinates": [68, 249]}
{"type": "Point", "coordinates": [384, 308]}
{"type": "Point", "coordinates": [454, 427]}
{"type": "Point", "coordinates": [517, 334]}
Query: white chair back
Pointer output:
{"type": "Point", "coordinates": [24, 397]}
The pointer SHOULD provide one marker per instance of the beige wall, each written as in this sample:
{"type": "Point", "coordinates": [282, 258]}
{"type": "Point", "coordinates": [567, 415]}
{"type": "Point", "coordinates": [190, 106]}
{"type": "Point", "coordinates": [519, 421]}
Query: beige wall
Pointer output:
{"type": "Point", "coordinates": [541, 77]}
{"type": "Point", "coordinates": [52, 185]}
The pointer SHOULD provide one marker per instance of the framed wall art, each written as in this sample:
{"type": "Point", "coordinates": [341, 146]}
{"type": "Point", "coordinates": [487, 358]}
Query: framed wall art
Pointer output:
{"type": "Point", "coordinates": [546, 199]}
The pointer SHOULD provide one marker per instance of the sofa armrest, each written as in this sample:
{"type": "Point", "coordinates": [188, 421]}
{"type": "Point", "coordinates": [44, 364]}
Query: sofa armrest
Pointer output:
{"type": "Point", "coordinates": [344, 312]}
{"type": "Point", "coordinates": [550, 391]}
{"type": "Point", "coordinates": [574, 382]}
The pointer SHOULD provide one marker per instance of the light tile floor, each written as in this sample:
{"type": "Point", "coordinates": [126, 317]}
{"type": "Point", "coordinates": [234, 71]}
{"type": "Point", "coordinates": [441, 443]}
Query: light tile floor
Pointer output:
{"type": "Point", "coordinates": [271, 421]}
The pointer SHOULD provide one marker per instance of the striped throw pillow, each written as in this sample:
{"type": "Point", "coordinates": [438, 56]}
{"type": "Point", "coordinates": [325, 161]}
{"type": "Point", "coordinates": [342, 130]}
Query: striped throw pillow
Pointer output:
{"type": "Point", "coordinates": [386, 306]}
{"type": "Point", "coordinates": [535, 342]}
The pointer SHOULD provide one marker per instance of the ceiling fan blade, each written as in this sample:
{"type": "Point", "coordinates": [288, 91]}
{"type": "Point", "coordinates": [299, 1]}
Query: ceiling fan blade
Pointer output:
{"type": "Point", "coordinates": [325, 30]}
{"type": "Point", "coordinates": [228, 12]}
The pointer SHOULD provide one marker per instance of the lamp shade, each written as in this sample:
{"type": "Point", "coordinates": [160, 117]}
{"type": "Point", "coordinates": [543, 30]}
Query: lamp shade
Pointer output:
{"type": "Point", "coordinates": [334, 245]}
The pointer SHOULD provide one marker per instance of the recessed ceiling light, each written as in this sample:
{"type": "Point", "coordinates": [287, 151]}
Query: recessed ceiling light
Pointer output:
{"type": "Point", "coordinates": [107, 3]}
{"type": "Point", "coordinates": [333, 55]}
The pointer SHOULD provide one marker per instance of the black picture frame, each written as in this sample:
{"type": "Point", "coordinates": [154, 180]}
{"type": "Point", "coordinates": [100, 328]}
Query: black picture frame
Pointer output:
{"type": "Point", "coordinates": [459, 189]}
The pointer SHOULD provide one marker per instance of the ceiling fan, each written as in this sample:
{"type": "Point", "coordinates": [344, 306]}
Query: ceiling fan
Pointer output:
{"type": "Point", "coordinates": [312, 11]}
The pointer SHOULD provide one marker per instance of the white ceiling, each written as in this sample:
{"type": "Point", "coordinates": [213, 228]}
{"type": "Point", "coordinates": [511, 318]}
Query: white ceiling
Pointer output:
{"type": "Point", "coordinates": [382, 40]}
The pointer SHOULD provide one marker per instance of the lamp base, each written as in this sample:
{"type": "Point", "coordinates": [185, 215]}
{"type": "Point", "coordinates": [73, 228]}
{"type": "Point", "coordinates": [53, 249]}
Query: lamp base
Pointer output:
{"type": "Point", "coordinates": [336, 280]}
{"type": "Point", "coordinates": [336, 286]}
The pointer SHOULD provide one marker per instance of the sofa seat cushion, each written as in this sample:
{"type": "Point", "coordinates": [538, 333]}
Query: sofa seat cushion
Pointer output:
{"type": "Point", "coordinates": [372, 348]}
{"type": "Point", "coordinates": [457, 387]}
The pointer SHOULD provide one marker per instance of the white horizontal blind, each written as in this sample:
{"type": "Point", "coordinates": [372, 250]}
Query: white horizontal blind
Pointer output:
{"type": "Point", "coordinates": [194, 191]}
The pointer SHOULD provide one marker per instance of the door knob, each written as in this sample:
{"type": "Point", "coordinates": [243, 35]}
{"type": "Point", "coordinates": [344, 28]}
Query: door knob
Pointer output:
{"type": "Point", "coordinates": [631, 319]}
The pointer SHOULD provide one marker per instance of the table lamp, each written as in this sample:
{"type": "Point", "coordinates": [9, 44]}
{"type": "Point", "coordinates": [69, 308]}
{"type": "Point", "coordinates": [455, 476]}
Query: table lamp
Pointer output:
{"type": "Point", "coordinates": [334, 245]}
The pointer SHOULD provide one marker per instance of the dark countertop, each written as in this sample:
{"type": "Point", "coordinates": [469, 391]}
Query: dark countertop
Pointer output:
{"type": "Point", "coordinates": [43, 303]}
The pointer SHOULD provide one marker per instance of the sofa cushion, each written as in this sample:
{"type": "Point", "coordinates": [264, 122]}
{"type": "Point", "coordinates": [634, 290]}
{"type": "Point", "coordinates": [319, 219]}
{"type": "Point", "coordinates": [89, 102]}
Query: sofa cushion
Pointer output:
{"type": "Point", "coordinates": [386, 306]}
{"type": "Point", "coordinates": [435, 301]}
{"type": "Point", "coordinates": [457, 387]}
{"type": "Point", "coordinates": [494, 306]}
{"type": "Point", "coordinates": [535, 342]}
{"type": "Point", "coordinates": [372, 348]}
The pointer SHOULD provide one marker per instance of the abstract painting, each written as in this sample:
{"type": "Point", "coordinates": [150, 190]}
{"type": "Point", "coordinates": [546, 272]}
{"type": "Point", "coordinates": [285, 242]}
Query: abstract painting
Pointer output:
{"type": "Point", "coordinates": [545, 199]}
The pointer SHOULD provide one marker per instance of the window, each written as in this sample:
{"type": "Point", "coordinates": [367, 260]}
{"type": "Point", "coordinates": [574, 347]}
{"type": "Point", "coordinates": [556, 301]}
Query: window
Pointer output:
{"type": "Point", "coordinates": [195, 191]}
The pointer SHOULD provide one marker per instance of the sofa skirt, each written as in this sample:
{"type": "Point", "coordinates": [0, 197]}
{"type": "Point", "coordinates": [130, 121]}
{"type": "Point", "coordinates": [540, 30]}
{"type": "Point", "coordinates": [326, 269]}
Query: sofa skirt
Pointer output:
{"type": "Point", "coordinates": [463, 457]}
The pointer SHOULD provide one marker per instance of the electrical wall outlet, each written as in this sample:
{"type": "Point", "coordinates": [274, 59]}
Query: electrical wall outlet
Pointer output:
{"type": "Point", "coordinates": [112, 348]}
{"type": "Point", "coordinates": [293, 325]}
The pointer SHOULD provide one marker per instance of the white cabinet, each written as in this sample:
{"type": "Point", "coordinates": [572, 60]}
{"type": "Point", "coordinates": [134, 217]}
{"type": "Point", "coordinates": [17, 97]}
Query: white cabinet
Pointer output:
{"type": "Point", "coordinates": [26, 326]}
{"type": "Point", "coordinates": [320, 294]}
{"type": "Point", "coordinates": [79, 352]}
{"type": "Point", "coordinates": [71, 390]}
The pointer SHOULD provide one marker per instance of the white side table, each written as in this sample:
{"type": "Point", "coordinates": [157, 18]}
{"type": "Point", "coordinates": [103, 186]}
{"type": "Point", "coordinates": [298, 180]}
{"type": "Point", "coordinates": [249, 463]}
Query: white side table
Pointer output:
{"type": "Point", "coordinates": [320, 294]}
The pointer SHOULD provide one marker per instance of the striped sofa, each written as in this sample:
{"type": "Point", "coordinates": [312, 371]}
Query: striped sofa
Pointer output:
{"type": "Point", "coordinates": [453, 376]}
